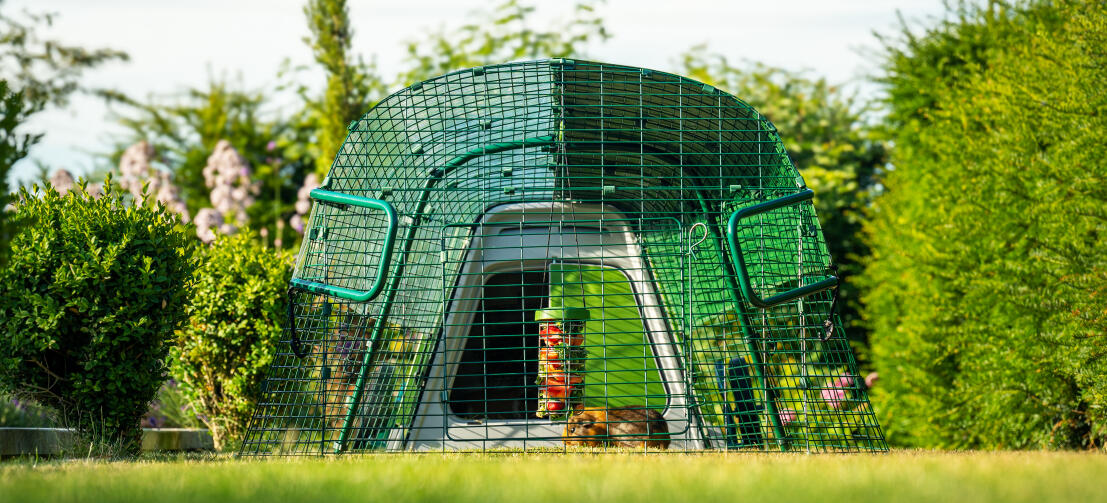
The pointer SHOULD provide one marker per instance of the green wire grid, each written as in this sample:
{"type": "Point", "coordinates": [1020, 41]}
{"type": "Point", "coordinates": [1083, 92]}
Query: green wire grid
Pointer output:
{"type": "Point", "coordinates": [460, 206]}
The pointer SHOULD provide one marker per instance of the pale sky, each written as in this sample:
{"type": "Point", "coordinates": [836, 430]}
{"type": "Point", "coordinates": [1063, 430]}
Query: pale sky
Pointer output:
{"type": "Point", "coordinates": [178, 45]}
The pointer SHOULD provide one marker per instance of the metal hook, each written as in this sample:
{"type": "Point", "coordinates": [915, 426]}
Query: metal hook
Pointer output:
{"type": "Point", "coordinates": [692, 248]}
{"type": "Point", "coordinates": [828, 324]}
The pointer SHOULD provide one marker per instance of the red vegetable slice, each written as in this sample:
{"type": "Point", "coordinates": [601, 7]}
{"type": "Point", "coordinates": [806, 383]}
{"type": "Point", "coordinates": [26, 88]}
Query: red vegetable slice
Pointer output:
{"type": "Point", "coordinates": [562, 379]}
{"type": "Point", "coordinates": [558, 391]}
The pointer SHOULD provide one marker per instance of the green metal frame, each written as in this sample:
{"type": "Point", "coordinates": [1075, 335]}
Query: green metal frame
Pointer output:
{"type": "Point", "coordinates": [338, 198]}
{"type": "Point", "coordinates": [359, 369]}
{"type": "Point", "coordinates": [739, 260]}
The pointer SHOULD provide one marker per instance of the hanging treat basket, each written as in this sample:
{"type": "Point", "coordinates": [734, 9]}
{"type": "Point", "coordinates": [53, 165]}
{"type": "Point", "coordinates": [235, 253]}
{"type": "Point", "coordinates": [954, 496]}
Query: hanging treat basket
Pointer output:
{"type": "Point", "coordinates": [561, 361]}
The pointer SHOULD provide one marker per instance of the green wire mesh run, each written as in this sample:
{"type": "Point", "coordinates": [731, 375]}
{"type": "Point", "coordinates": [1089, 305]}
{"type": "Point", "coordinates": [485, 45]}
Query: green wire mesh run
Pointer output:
{"type": "Point", "coordinates": [461, 211]}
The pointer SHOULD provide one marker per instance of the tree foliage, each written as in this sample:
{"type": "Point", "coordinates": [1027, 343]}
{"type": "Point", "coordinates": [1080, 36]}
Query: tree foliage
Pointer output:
{"type": "Point", "coordinates": [505, 33]}
{"type": "Point", "coordinates": [283, 149]}
{"type": "Point", "coordinates": [47, 71]}
{"type": "Point", "coordinates": [13, 147]}
{"type": "Point", "coordinates": [352, 85]}
{"type": "Point", "coordinates": [986, 287]}
{"type": "Point", "coordinates": [89, 300]}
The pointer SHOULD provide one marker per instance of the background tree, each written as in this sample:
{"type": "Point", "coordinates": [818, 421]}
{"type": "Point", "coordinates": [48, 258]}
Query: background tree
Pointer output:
{"type": "Point", "coordinates": [282, 150]}
{"type": "Point", "coordinates": [831, 144]}
{"type": "Point", "coordinates": [352, 85]}
{"type": "Point", "coordinates": [13, 147]}
{"type": "Point", "coordinates": [47, 71]}
{"type": "Point", "coordinates": [43, 72]}
{"type": "Point", "coordinates": [985, 287]}
{"type": "Point", "coordinates": [505, 33]}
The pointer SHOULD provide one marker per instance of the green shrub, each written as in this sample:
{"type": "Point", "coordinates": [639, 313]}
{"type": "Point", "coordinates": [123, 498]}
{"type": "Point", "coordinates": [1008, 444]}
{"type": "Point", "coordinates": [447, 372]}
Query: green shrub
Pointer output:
{"type": "Point", "coordinates": [235, 317]}
{"type": "Point", "coordinates": [89, 301]}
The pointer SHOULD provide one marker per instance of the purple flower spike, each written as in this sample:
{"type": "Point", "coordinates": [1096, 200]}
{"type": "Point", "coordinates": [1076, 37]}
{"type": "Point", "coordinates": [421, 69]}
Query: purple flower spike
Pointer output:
{"type": "Point", "coordinates": [271, 146]}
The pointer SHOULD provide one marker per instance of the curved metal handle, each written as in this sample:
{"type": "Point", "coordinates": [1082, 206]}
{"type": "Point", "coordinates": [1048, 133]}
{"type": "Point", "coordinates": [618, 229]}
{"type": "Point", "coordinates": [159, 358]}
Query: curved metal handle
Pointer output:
{"type": "Point", "coordinates": [352, 294]}
{"type": "Point", "coordinates": [740, 261]}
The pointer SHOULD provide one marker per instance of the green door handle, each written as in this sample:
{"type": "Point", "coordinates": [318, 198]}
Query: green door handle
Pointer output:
{"type": "Point", "coordinates": [352, 294]}
{"type": "Point", "coordinates": [740, 261]}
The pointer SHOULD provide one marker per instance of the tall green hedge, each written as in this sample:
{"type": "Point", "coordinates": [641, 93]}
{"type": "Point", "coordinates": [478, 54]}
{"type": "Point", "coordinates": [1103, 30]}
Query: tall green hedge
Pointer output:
{"type": "Point", "coordinates": [988, 280]}
{"type": "Point", "coordinates": [235, 315]}
{"type": "Point", "coordinates": [89, 301]}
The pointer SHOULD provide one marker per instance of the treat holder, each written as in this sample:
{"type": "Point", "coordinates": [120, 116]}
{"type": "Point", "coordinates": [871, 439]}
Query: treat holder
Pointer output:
{"type": "Point", "coordinates": [561, 356]}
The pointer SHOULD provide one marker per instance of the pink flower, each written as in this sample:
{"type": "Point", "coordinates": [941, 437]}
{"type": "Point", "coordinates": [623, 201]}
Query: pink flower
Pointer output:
{"type": "Point", "coordinates": [787, 417]}
{"type": "Point", "coordinates": [62, 181]}
{"type": "Point", "coordinates": [207, 221]}
{"type": "Point", "coordinates": [837, 392]}
{"type": "Point", "coordinates": [834, 397]}
{"type": "Point", "coordinates": [843, 382]}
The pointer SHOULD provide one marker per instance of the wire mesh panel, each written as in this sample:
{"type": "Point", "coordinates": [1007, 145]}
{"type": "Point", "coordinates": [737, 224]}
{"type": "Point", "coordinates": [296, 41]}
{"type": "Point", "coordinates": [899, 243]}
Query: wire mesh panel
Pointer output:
{"type": "Point", "coordinates": [563, 256]}
{"type": "Point", "coordinates": [506, 377]}
{"type": "Point", "coordinates": [781, 376]}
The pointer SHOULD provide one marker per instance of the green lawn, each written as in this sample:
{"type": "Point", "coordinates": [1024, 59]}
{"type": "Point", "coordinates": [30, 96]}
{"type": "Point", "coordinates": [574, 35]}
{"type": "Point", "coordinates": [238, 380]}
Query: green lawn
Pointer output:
{"type": "Point", "coordinates": [901, 476]}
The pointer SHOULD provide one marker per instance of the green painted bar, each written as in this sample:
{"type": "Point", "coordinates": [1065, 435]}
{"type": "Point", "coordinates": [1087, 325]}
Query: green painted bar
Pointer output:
{"type": "Point", "coordinates": [739, 259]}
{"type": "Point", "coordinates": [386, 248]}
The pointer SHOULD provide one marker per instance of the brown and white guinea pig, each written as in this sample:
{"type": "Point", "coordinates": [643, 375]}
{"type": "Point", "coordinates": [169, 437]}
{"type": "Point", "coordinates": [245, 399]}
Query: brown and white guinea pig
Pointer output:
{"type": "Point", "coordinates": [628, 426]}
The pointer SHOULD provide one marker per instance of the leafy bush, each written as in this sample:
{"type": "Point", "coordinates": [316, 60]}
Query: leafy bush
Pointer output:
{"type": "Point", "coordinates": [238, 304]}
{"type": "Point", "coordinates": [987, 284]}
{"type": "Point", "coordinates": [88, 304]}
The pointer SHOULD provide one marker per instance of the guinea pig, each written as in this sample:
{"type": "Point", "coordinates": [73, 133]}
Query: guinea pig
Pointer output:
{"type": "Point", "coordinates": [629, 426]}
